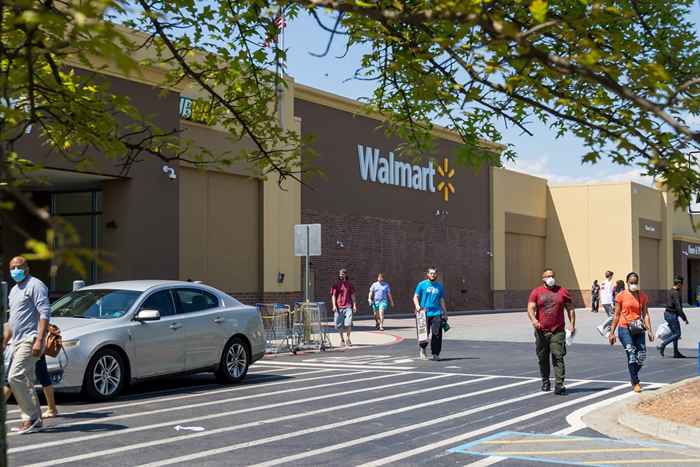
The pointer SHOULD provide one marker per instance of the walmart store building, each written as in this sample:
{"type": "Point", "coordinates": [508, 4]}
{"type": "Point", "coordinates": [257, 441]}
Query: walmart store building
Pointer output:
{"type": "Point", "coordinates": [490, 232]}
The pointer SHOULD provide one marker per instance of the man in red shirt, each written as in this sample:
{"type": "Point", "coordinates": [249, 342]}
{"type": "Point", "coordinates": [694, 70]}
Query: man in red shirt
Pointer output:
{"type": "Point", "coordinates": [545, 309]}
{"type": "Point", "coordinates": [344, 305]}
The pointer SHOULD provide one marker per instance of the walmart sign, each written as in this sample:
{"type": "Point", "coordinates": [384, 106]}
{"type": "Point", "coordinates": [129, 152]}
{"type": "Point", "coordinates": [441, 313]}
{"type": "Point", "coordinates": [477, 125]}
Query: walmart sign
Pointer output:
{"type": "Point", "coordinates": [389, 171]}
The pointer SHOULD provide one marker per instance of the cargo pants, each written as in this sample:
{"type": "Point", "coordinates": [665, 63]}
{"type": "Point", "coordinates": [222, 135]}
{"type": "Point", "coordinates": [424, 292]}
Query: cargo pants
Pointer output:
{"type": "Point", "coordinates": [554, 344]}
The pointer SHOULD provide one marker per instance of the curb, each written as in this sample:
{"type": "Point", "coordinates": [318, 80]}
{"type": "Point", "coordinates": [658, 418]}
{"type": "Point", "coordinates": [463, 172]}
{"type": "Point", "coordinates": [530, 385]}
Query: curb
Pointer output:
{"type": "Point", "coordinates": [660, 428]}
{"type": "Point", "coordinates": [361, 315]}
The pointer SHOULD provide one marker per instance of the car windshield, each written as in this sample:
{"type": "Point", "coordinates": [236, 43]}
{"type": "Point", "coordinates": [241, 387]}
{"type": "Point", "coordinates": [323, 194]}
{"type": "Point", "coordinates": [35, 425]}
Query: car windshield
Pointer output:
{"type": "Point", "coordinates": [96, 304]}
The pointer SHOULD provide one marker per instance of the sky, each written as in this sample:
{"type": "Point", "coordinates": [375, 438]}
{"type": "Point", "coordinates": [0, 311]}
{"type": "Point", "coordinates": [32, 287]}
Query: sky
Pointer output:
{"type": "Point", "coordinates": [558, 160]}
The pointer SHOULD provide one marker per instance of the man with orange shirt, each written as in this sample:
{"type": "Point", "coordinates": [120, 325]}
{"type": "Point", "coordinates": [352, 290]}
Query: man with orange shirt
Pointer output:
{"type": "Point", "coordinates": [545, 309]}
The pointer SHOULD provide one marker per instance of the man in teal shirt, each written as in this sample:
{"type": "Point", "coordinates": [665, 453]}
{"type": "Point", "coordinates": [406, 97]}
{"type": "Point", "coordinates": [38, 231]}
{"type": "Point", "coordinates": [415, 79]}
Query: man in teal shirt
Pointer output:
{"type": "Point", "coordinates": [430, 296]}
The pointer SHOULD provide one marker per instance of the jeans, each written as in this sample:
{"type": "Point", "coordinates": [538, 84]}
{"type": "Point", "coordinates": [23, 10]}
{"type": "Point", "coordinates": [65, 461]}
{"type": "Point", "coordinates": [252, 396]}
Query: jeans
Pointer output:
{"type": "Point", "coordinates": [551, 343]}
{"type": "Point", "coordinates": [594, 305]}
{"type": "Point", "coordinates": [636, 350]}
{"type": "Point", "coordinates": [675, 325]}
{"type": "Point", "coordinates": [21, 379]}
{"type": "Point", "coordinates": [608, 309]}
{"type": "Point", "coordinates": [435, 327]}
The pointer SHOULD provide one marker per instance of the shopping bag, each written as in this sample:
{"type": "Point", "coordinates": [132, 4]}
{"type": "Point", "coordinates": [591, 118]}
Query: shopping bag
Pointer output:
{"type": "Point", "coordinates": [421, 327]}
{"type": "Point", "coordinates": [663, 331]}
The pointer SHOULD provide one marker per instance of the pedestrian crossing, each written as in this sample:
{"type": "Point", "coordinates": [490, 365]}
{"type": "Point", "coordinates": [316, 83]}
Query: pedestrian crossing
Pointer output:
{"type": "Point", "coordinates": [367, 410]}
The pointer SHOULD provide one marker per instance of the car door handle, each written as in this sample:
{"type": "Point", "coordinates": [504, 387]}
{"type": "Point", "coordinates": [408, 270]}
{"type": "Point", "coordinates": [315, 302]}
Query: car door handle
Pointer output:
{"type": "Point", "coordinates": [218, 320]}
{"type": "Point", "coordinates": [175, 326]}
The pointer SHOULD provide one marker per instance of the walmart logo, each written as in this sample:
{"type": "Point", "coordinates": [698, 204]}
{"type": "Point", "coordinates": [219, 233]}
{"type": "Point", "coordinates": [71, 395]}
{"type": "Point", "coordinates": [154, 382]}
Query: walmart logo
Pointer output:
{"type": "Point", "coordinates": [445, 186]}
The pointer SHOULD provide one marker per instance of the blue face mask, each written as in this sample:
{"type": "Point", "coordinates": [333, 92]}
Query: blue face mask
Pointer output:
{"type": "Point", "coordinates": [18, 274]}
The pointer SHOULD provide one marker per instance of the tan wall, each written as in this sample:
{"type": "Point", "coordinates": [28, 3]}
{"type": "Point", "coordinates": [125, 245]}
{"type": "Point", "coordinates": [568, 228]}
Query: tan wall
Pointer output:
{"type": "Point", "coordinates": [589, 231]}
{"type": "Point", "coordinates": [651, 204]}
{"type": "Point", "coordinates": [220, 229]}
{"type": "Point", "coordinates": [281, 211]}
{"type": "Point", "coordinates": [517, 193]}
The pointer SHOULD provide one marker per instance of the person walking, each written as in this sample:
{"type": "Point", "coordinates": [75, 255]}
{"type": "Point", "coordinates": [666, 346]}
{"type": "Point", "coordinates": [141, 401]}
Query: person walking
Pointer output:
{"type": "Point", "coordinates": [595, 296]}
{"type": "Point", "coordinates": [29, 320]}
{"type": "Point", "coordinates": [674, 312]}
{"type": "Point", "coordinates": [607, 299]}
{"type": "Point", "coordinates": [379, 299]}
{"type": "Point", "coordinates": [430, 296]}
{"type": "Point", "coordinates": [344, 305]}
{"type": "Point", "coordinates": [631, 320]}
{"type": "Point", "coordinates": [545, 308]}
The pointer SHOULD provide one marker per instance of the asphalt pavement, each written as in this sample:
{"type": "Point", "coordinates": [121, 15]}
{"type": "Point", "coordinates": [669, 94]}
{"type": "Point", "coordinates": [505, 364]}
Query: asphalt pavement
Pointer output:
{"type": "Point", "coordinates": [371, 405]}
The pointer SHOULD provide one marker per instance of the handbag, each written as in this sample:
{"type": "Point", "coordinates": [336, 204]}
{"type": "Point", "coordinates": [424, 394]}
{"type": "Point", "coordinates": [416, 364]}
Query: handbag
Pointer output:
{"type": "Point", "coordinates": [636, 327]}
{"type": "Point", "coordinates": [54, 341]}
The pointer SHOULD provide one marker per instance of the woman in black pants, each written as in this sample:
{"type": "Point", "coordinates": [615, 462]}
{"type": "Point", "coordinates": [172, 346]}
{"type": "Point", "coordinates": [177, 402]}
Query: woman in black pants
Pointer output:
{"type": "Point", "coordinates": [674, 311]}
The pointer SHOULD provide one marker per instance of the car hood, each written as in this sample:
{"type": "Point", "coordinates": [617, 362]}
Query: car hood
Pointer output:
{"type": "Point", "coordinates": [80, 325]}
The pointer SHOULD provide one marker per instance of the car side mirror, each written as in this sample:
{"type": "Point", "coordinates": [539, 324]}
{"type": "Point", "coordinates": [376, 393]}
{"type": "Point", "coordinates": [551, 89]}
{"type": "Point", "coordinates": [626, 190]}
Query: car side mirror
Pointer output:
{"type": "Point", "coordinates": [147, 315]}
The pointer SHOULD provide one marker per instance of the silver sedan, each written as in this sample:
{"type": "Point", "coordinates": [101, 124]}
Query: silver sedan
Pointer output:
{"type": "Point", "coordinates": [120, 332]}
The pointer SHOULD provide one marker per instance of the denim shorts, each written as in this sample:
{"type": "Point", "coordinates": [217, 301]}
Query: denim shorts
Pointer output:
{"type": "Point", "coordinates": [343, 318]}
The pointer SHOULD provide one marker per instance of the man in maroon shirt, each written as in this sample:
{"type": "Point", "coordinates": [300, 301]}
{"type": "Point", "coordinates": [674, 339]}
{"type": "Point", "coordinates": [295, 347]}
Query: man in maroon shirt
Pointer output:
{"type": "Point", "coordinates": [344, 305]}
{"type": "Point", "coordinates": [545, 309]}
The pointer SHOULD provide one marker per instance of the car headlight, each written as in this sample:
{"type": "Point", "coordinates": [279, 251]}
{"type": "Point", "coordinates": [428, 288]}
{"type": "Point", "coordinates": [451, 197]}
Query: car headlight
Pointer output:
{"type": "Point", "coordinates": [68, 344]}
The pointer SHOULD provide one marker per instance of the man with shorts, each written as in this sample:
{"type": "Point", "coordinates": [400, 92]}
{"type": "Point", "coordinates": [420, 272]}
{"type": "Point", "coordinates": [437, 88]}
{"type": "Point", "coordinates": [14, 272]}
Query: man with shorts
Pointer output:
{"type": "Point", "coordinates": [344, 305]}
{"type": "Point", "coordinates": [379, 299]}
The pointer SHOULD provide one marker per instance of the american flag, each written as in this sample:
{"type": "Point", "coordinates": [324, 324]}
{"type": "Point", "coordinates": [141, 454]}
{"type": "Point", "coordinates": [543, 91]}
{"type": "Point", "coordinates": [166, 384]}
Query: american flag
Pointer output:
{"type": "Point", "coordinates": [280, 23]}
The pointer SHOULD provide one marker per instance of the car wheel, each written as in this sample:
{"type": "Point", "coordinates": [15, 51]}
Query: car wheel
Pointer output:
{"type": "Point", "coordinates": [234, 361]}
{"type": "Point", "coordinates": [105, 376]}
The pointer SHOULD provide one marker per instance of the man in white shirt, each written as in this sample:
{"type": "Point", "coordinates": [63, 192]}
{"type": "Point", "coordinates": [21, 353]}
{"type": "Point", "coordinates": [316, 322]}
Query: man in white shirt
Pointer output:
{"type": "Point", "coordinates": [606, 299]}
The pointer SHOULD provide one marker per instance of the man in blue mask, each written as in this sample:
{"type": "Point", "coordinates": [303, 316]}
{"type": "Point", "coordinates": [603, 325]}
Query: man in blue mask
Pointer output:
{"type": "Point", "coordinates": [29, 320]}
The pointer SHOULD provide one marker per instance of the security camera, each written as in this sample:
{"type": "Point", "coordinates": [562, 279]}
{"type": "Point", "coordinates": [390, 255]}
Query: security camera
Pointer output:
{"type": "Point", "coordinates": [170, 172]}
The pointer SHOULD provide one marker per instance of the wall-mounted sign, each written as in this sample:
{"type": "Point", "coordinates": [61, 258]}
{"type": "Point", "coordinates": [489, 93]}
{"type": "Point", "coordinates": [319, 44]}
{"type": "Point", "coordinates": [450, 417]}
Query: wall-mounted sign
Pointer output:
{"type": "Point", "coordinates": [694, 250]}
{"type": "Point", "coordinates": [193, 110]}
{"type": "Point", "coordinates": [390, 171]}
{"type": "Point", "coordinates": [649, 228]}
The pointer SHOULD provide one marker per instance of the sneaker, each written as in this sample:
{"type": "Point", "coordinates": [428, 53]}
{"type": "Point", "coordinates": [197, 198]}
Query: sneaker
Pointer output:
{"type": "Point", "coordinates": [546, 386]}
{"type": "Point", "coordinates": [376, 326]}
{"type": "Point", "coordinates": [349, 343]}
{"type": "Point", "coordinates": [661, 350]}
{"type": "Point", "coordinates": [29, 426]}
{"type": "Point", "coordinates": [637, 388]}
{"type": "Point", "coordinates": [436, 358]}
{"type": "Point", "coordinates": [342, 343]}
{"type": "Point", "coordinates": [601, 330]}
{"type": "Point", "coordinates": [381, 328]}
{"type": "Point", "coordinates": [679, 355]}
{"type": "Point", "coordinates": [559, 390]}
{"type": "Point", "coordinates": [422, 354]}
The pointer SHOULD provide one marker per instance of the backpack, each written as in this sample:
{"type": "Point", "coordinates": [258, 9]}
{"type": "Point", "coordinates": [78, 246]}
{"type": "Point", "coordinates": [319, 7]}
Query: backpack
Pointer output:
{"type": "Point", "coordinates": [54, 341]}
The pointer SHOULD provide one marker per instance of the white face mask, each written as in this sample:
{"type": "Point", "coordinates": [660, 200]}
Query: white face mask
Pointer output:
{"type": "Point", "coordinates": [550, 281]}
{"type": "Point", "coordinates": [634, 287]}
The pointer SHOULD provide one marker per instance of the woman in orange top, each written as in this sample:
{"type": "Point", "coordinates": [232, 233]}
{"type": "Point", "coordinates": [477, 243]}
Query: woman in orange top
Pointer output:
{"type": "Point", "coordinates": [631, 311]}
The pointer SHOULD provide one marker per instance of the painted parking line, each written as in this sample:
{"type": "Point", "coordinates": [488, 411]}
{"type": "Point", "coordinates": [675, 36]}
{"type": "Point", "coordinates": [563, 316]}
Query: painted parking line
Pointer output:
{"type": "Point", "coordinates": [560, 452]}
{"type": "Point", "coordinates": [146, 398]}
{"type": "Point", "coordinates": [643, 461]}
{"type": "Point", "coordinates": [275, 420]}
{"type": "Point", "coordinates": [491, 428]}
{"type": "Point", "coordinates": [236, 412]}
{"type": "Point", "coordinates": [217, 402]}
{"type": "Point", "coordinates": [190, 396]}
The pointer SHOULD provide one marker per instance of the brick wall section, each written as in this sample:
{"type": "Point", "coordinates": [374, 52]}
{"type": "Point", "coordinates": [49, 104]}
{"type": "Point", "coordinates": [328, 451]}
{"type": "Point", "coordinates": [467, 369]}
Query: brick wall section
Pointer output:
{"type": "Point", "coordinates": [402, 250]}
{"type": "Point", "coordinates": [251, 298]}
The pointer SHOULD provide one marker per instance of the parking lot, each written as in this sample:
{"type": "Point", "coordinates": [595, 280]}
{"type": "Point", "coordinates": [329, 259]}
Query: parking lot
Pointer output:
{"type": "Point", "coordinates": [368, 406]}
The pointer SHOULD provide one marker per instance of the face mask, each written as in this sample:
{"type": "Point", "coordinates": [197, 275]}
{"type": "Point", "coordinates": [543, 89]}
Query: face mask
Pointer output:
{"type": "Point", "coordinates": [634, 287]}
{"type": "Point", "coordinates": [17, 274]}
{"type": "Point", "coordinates": [550, 281]}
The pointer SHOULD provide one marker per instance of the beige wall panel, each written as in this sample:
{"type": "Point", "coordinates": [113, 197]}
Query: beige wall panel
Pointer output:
{"type": "Point", "coordinates": [219, 225]}
{"type": "Point", "coordinates": [524, 261]}
{"type": "Point", "coordinates": [516, 193]}
{"type": "Point", "coordinates": [233, 246]}
{"type": "Point", "coordinates": [527, 225]}
{"type": "Point", "coordinates": [588, 232]}
{"type": "Point", "coordinates": [193, 223]}
{"type": "Point", "coordinates": [649, 263]}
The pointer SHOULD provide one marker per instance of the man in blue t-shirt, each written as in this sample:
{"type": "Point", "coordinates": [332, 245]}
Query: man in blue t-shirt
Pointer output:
{"type": "Point", "coordinates": [430, 296]}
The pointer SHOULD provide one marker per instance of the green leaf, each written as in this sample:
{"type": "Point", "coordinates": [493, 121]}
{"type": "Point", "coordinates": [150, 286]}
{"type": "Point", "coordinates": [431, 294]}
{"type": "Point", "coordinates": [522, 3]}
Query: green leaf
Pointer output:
{"type": "Point", "coordinates": [538, 9]}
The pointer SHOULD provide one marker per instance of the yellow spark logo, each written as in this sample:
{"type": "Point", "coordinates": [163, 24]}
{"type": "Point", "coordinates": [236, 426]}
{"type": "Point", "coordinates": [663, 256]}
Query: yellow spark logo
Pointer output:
{"type": "Point", "coordinates": [445, 186]}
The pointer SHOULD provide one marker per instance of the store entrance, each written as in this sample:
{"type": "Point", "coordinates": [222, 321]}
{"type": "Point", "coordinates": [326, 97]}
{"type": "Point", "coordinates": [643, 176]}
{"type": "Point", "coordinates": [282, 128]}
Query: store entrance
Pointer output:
{"type": "Point", "coordinates": [693, 281]}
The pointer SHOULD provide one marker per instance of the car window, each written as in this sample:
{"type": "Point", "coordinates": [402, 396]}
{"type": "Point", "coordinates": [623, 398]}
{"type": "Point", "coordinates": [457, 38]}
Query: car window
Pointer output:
{"type": "Point", "coordinates": [95, 304]}
{"type": "Point", "coordinates": [161, 301]}
{"type": "Point", "coordinates": [193, 300]}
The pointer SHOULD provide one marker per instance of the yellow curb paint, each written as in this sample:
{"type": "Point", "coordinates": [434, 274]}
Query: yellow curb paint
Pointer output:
{"type": "Point", "coordinates": [645, 461]}
{"type": "Point", "coordinates": [570, 451]}
{"type": "Point", "coordinates": [540, 440]}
